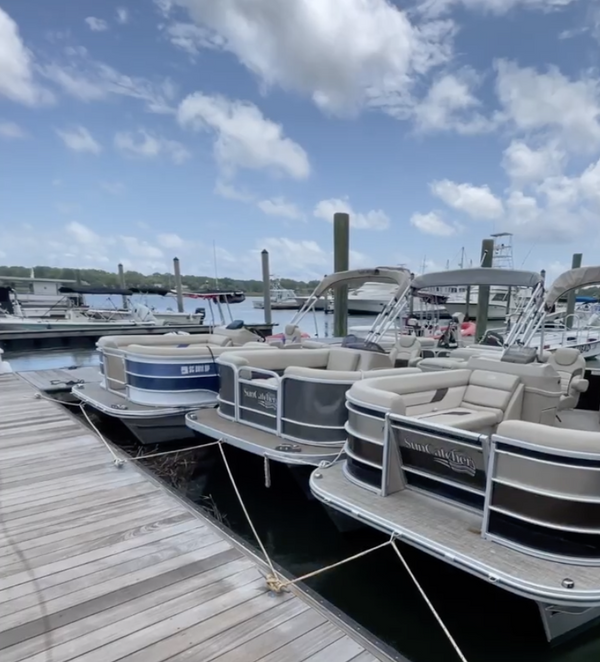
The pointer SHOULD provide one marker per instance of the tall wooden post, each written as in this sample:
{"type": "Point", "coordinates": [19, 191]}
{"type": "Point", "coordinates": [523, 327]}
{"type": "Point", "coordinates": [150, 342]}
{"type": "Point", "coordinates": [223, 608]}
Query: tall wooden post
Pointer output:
{"type": "Point", "coordinates": [571, 297]}
{"type": "Point", "coordinates": [122, 285]}
{"type": "Point", "coordinates": [483, 300]}
{"type": "Point", "coordinates": [178, 287]}
{"type": "Point", "coordinates": [341, 260]}
{"type": "Point", "coordinates": [266, 278]}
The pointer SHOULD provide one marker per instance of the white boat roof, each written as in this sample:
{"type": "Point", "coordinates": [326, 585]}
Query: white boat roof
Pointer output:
{"type": "Point", "coordinates": [477, 276]}
{"type": "Point", "coordinates": [572, 280]}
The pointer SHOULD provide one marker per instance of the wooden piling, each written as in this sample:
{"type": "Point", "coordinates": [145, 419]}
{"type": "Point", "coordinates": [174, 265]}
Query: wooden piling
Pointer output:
{"type": "Point", "coordinates": [571, 297]}
{"type": "Point", "coordinates": [266, 278]}
{"type": "Point", "coordinates": [483, 300]}
{"type": "Point", "coordinates": [178, 287]}
{"type": "Point", "coordinates": [341, 259]}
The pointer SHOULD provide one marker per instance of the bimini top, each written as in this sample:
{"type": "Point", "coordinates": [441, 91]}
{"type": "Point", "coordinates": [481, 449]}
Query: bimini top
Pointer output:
{"type": "Point", "coordinates": [571, 280]}
{"type": "Point", "coordinates": [477, 276]}
{"type": "Point", "coordinates": [91, 289]}
{"type": "Point", "coordinates": [357, 277]}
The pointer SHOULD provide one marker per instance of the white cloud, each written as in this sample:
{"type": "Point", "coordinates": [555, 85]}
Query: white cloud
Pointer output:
{"type": "Point", "coordinates": [79, 139]}
{"type": "Point", "coordinates": [450, 105]}
{"type": "Point", "coordinates": [244, 137]}
{"type": "Point", "coordinates": [439, 7]}
{"type": "Point", "coordinates": [148, 145]}
{"type": "Point", "coordinates": [226, 190]}
{"type": "Point", "coordinates": [96, 24]}
{"type": "Point", "coordinates": [140, 248]}
{"type": "Point", "coordinates": [17, 81]}
{"type": "Point", "coordinates": [83, 235]}
{"type": "Point", "coordinates": [115, 188]}
{"type": "Point", "coordinates": [432, 224]}
{"type": "Point", "coordinates": [375, 219]}
{"type": "Point", "coordinates": [171, 240]}
{"type": "Point", "coordinates": [11, 130]}
{"type": "Point", "coordinates": [290, 44]}
{"type": "Point", "coordinates": [551, 102]}
{"type": "Point", "coordinates": [88, 80]}
{"type": "Point", "coordinates": [122, 15]}
{"type": "Point", "coordinates": [524, 165]}
{"type": "Point", "coordinates": [192, 38]}
{"type": "Point", "coordinates": [280, 207]}
{"type": "Point", "coordinates": [476, 201]}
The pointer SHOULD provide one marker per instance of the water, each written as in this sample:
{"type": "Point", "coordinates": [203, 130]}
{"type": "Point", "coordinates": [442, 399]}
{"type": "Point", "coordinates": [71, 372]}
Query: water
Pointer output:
{"type": "Point", "coordinates": [489, 624]}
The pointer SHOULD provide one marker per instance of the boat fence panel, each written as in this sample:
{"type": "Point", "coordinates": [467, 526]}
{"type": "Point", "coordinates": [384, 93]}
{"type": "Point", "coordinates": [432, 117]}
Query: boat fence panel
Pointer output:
{"type": "Point", "coordinates": [365, 437]}
{"type": "Point", "coordinates": [258, 401]}
{"type": "Point", "coordinates": [303, 410]}
{"type": "Point", "coordinates": [447, 463]}
{"type": "Point", "coordinates": [543, 501]}
{"type": "Point", "coordinates": [173, 382]}
{"type": "Point", "coordinates": [313, 411]}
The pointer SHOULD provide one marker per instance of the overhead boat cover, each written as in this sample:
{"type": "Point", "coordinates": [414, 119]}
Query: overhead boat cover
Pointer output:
{"type": "Point", "coordinates": [90, 289]}
{"type": "Point", "coordinates": [572, 280]}
{"type": "Point", "coordinates": [358, 277]}
{"type": "Point", "coordinates": [477, 276]}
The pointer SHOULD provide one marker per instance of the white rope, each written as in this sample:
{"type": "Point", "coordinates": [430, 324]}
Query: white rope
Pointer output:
{"type": "Point", "coordinates": [173, 452]}
{"type": "Point", "coordinates": [267, 468]}
{"type": "Point", "coordinates": [117, 459]}
{"type": "Point", "coordinates": [273, 580]}
{"type": "Point", "coordinates": [431, 607]}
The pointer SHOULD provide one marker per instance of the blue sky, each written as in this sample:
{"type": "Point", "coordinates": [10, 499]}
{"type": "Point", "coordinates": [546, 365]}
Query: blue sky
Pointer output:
{"type": "Point", "coordinates": [136, 131]}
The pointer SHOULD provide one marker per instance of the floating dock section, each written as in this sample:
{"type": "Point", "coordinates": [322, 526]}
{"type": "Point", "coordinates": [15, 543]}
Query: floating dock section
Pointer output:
{"type": "Point", "coordinates": [100, 563]}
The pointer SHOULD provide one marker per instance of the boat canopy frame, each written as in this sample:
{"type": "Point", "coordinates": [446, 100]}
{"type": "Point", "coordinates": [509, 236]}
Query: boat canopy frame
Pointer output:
{"type": "Point", "coordinates": [355, 278]}
{"type": "Point", "coordinates": [477, 276]}
{"type": "Point", "coordinates": [570, 280]}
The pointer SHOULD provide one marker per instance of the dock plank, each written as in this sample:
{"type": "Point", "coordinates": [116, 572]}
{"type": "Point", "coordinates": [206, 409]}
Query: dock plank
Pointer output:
{"type": "Point", "coordinates": [101, 564]}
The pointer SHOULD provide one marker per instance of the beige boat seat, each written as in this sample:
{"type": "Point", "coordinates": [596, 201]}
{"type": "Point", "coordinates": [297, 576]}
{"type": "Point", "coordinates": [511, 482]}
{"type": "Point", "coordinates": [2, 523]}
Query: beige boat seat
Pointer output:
{"type": "Point", "coordinates": [475, 400]}
{"type": "Point", "coordinates": [407, 351]}
{"type": "Point", "coordinates": [570, 366]}
{"type": "Point", "coordinates": [320, 364]}
{"type": "Point", "coordinates": [582, 441]}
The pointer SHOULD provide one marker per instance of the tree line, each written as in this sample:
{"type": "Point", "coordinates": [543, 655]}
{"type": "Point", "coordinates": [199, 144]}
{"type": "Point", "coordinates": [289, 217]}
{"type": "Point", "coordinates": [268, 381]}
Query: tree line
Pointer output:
{"type": "Point", "coordinates": [100, 278]}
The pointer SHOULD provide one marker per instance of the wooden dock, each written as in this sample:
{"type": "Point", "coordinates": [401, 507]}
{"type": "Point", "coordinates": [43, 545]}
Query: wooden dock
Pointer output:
{"type": "Point", "coordinates": [62, 379]}
{"type": "Point", "coordinates": [24, 340]}
{"type": "Point", "coordinates": [99, 563]}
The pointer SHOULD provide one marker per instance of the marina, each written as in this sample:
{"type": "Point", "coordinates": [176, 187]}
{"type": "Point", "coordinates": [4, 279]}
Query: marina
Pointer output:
{"type": "Point", "coordinates": [101, 561]}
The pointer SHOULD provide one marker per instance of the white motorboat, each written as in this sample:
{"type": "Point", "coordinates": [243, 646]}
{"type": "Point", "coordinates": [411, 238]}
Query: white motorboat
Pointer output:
{"type": "Point", "coordinates": [281, 298]}
{"type": "Point", "coordinates": [489, 465]}
{"type": "Point", "coordinates": [288, 405]}
{"type": "Point", "coordinates": [149, 382]}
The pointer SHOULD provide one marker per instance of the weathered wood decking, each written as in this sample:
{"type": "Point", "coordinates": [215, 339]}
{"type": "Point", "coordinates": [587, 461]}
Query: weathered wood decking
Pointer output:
{"type": "Point", "coordinates": [61, 379]}
{"type": "Point", "coordinates": [102, 564]}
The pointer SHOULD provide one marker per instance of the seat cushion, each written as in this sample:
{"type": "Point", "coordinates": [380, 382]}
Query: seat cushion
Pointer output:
{"type": "Point", "coordinates": [342, 359]}
{"type": "Point", "coordinates": [463, 418]}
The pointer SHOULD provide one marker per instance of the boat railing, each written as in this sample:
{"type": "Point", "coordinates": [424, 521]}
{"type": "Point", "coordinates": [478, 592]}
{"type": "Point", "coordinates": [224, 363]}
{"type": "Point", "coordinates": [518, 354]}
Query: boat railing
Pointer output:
{"type": "Point", "coordinates": [387, 452]}
{"type": "Point", "coordinates": [296, 394]}
{"type": "Point", "coordinates": [543, 494]}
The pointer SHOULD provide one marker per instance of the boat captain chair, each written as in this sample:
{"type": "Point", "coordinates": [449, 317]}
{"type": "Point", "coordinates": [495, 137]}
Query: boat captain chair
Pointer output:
{"type": "Point", "coordinates": [407, 351]}
{"type": "Point", "coordinates": [570, 366]}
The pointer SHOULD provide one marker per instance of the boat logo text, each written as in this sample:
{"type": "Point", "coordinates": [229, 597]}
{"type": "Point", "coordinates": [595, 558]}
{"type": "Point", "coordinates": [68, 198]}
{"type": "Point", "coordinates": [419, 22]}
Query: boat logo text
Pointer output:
{"type": "Point", "coordinates": [453, 459]}
{"type": "Point", "coordinates": [264, 399]}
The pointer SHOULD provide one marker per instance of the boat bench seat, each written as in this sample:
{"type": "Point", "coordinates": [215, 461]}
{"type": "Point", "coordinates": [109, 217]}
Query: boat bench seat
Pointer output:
{"type": "Point", "coordinates": [475, 400]}
{"type": "Point", "coordinates": [331, 359]}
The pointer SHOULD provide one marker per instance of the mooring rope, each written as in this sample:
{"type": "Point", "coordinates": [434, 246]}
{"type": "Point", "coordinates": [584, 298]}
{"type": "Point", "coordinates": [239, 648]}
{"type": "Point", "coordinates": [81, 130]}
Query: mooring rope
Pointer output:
{"type": "Point", "coordinates": [274, 580]}
{"type": "Point", "coordinates": [428, 602]}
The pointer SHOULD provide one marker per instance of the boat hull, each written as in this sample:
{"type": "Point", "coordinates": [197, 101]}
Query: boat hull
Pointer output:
{"type": "Point", "coordinates": [495, 312]}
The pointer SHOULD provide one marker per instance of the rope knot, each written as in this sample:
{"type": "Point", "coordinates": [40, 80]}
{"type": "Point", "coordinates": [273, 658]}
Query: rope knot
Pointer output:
{"type": "Point", "coordinates": [275, 584]}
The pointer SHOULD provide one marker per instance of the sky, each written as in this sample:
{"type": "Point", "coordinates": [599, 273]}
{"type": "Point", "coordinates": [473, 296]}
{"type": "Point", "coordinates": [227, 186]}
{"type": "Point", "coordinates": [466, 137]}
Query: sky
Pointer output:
{"type": "Point", "coordinates": [134, 131]}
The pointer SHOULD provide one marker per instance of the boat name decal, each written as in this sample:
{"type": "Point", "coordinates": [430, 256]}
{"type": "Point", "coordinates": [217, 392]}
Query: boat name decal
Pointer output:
{"type": "Point", "coordinates": [453, 459]}
{"type": "Point", "coordinates": [265, 399]}
{"type": "Point", "coordinates": [197, 369]}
